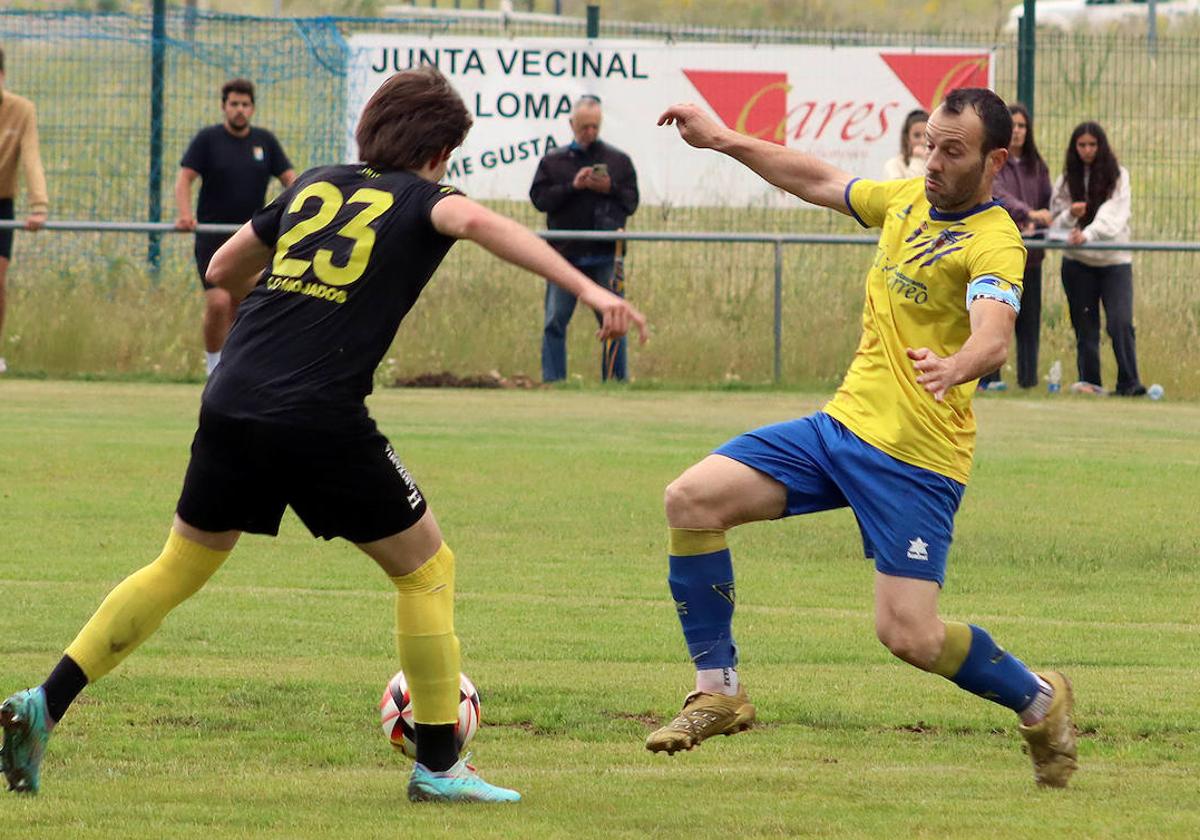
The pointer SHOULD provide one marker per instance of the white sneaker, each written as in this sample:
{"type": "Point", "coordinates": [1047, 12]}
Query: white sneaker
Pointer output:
{"type": "Point", "coordinates": [1088, 388]}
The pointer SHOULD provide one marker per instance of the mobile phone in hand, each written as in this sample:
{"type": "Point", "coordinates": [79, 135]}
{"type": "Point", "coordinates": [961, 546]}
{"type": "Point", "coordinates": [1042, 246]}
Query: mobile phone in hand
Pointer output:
{"type": "Point", "coordinates": [600, 169]}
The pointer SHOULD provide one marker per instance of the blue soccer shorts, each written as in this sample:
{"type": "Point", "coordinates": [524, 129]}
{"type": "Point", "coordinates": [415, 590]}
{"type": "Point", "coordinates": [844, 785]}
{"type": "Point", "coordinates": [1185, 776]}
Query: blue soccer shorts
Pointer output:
{"type": "Point", "coordinates": [905, 513]}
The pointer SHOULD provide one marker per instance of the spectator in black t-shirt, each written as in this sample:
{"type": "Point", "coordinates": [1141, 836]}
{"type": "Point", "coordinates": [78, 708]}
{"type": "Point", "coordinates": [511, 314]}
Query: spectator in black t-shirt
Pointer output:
{"type": "Point", "coordinates": [235, 163]}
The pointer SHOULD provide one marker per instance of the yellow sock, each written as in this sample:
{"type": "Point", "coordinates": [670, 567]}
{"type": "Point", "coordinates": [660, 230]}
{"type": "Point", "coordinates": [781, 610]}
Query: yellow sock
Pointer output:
{"type": "Point", "coordinates": [133, 610]}
{"type": "Point", "coordinates": [688, 542]}
{"type": "Point", "coordinates": [954, 650]}
{"type": "Point", "coordinates": [425, 638]}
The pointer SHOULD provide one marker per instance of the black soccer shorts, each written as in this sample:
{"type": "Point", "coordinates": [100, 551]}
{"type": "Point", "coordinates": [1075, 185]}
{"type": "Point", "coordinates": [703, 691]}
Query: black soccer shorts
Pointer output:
{"type": "Point", "coordinates": [244, 473]}
{"type": "Point", "coordinates": [206, 246]}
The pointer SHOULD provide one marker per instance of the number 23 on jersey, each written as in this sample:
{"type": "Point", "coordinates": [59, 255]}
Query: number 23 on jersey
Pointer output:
{"type": "Point", "coordinates": [357, 229]}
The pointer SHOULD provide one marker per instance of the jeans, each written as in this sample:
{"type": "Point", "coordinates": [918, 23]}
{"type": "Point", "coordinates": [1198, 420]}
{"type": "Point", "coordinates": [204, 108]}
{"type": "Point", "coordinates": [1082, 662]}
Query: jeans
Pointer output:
{"type": "Point", "coordinates": [560, 306]}
{"type": "Point", "coordinates": [1087, 287]}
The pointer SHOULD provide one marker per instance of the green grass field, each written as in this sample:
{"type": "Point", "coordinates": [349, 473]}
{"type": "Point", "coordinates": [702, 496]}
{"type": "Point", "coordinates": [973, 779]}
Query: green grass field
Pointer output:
{"type": "Point", "coordinates": [252, 713]}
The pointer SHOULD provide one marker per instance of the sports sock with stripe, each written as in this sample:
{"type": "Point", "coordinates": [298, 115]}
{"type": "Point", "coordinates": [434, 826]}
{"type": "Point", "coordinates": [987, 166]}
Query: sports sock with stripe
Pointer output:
{"type": "Point", "coordinates": [701, 581]}
{"type": "Point", "coordinates": [974, 662]}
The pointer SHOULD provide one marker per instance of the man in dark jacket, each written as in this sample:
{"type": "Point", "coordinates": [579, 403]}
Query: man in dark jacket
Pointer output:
{"type": "Point", "coordinates": [587, 185]}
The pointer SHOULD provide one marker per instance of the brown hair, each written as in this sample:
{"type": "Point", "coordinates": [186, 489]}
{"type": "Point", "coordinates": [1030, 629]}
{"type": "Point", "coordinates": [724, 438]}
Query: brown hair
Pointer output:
{"type": "Point", "coordinates": [919, 115]}
{"type": "Point", "coordinates": [237, 86]}
{"type": "Point", "coordinates": [992, 112]}
{"type": "Point", "coordinates": [1100, 182]}
{"type": "Point", "coordinates": [410, 120]}
{"type": "Point", "coordinates": [1031, 158]}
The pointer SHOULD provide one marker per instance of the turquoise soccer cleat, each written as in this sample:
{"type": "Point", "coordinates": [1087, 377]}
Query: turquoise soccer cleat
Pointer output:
{"type": "Point", "coordinates": [458, 784]}
{"type": "Point", "coordinates": [24, 719]}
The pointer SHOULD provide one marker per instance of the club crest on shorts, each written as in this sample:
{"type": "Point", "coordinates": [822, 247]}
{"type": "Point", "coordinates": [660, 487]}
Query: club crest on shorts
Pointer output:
{"type": "Point", "coordinates": [918, 549]}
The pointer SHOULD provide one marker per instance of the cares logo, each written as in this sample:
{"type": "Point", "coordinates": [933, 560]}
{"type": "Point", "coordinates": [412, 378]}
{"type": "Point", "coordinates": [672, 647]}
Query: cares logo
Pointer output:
{"type": "Point", "coordinates": [930, 77]}
{"type": "Point", "coordinates": [749, 103]}
{"type": "Point", "coordinates": [755, 103]}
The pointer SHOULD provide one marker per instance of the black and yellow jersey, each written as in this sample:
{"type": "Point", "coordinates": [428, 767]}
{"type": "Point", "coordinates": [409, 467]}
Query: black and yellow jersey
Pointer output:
{"type": "Point", "coordinates": [353, 249]}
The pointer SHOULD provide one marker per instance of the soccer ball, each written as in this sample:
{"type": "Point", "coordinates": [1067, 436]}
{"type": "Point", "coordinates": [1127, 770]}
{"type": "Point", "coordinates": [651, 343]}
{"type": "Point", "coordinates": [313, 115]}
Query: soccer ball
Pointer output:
{"type": "Point", "coordinates": [396, 714]}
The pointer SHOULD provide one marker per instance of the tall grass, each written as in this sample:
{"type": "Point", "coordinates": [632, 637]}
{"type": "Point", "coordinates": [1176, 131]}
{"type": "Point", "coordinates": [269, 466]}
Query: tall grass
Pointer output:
{"type": "Point", "coordinates": [109, 317]}
{"type": "Point", "coordinates": [711, 309]}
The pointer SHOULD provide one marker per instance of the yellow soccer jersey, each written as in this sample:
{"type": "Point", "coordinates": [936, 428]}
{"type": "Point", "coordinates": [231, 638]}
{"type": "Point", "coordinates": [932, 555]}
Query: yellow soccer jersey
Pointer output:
{"type": "Point", "coordinates": [917, 292]}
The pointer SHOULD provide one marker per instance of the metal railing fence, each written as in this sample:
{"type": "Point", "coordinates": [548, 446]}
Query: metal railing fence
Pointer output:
{"type": "Point", "coordinates": [776, 240]}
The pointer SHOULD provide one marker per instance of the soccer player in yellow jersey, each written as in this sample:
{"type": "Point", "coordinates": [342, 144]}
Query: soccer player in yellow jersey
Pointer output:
{"type": "Point", "coordinates": [895, 442]}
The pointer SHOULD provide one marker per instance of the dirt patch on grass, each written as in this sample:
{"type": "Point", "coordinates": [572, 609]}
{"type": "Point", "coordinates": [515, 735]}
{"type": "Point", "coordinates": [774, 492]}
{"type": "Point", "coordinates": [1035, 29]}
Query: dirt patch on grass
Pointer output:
{"type": "Point", "coordinates": [446, 379]}
{"type": "Point", "coordinates": [644, 718]}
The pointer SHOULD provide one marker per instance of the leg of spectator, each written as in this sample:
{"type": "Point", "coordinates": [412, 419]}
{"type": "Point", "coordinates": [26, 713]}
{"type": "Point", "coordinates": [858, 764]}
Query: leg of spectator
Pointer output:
{"type": "Point", "coordinates": [1083, 297]}
{"type": "Point", "coordinates": [560, 306]}
{"type": "Point", "coordinates": [1116, 291]}
{"type": "Point", "coordinates": [3, 296]}
{"type": "Point", "coordinates": [219, 309]}
{"type": "Point", "coordinates": [1029, 326]}
{"type": "Point", "coordinates": [6, 249]}
{"type": "Point", "coordinates": [989, 378]}
{"type": "Point", "coordinates": [612, 359]}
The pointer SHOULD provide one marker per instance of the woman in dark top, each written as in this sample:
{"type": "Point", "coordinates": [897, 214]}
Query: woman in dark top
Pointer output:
{"type": "Point", "coordinates": [1023, 186]}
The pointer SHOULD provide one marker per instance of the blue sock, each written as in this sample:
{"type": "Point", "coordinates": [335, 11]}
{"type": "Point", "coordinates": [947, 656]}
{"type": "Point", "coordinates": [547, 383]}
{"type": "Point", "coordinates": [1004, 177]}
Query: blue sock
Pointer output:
{"type": "Point", "coordinates": [994, 674]}
{"type": "Point", "coordinates": [702, 586]}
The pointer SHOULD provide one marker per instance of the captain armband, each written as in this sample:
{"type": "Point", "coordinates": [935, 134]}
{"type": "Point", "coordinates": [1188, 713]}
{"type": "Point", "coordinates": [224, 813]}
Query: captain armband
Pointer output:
{"type": "Point", "coordinates": [990, 287]}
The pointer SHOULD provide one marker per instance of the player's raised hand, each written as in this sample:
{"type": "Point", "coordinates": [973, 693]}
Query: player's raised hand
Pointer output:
{"type": "Point", "coordinates": [935, 374]}
{"type": "Point", "coordinates": [695, 126]}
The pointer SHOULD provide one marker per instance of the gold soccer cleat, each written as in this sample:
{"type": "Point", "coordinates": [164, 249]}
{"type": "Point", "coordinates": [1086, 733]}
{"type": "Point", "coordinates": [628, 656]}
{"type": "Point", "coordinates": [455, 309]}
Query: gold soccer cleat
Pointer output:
{"type": "Point", "coordinates": [1051, 743]}
{"type": "Point", "coordinates": [703, 716]}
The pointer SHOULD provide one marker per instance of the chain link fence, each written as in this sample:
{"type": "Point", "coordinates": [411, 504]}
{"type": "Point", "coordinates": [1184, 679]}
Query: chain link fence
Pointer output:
{"type": "Point", "coordinates": [90, 76]}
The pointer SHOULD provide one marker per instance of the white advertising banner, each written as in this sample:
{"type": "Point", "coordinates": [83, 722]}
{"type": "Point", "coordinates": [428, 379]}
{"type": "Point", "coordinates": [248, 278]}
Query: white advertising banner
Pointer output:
{"type": "Point", "coordinates": [845, 104]}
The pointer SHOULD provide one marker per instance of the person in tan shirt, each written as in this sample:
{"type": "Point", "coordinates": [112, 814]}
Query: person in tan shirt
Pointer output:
{"type": "Point", "coordinates": [18, 145]}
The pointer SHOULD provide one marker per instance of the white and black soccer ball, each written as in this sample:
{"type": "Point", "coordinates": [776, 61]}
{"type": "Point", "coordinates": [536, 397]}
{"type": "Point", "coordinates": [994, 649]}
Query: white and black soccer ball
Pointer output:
{"type": "Point", "coordinates": [396, 714]}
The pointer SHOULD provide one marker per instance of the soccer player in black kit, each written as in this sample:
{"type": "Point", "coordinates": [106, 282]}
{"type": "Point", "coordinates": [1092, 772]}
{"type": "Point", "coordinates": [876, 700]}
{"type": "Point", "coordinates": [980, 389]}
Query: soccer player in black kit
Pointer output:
{"type": "Point", "coordinates": [327, 272]}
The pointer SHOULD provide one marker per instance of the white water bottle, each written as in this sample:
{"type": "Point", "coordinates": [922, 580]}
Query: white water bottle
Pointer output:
{"type": "Point", "coordinates": [1054, 378]}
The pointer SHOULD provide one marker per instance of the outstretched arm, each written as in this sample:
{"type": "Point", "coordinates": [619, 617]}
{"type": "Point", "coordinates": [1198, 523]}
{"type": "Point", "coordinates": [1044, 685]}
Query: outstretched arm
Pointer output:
{"type": "Point", "coordinates": [805, 176]}
{"type": "Point", "coordinates": [461, 218]}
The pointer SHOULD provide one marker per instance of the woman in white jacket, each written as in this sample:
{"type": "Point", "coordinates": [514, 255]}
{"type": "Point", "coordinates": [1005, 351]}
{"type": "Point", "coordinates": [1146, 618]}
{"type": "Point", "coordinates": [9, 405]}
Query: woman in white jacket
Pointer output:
{"type": "Point", "coordinates": [1091, 203]}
